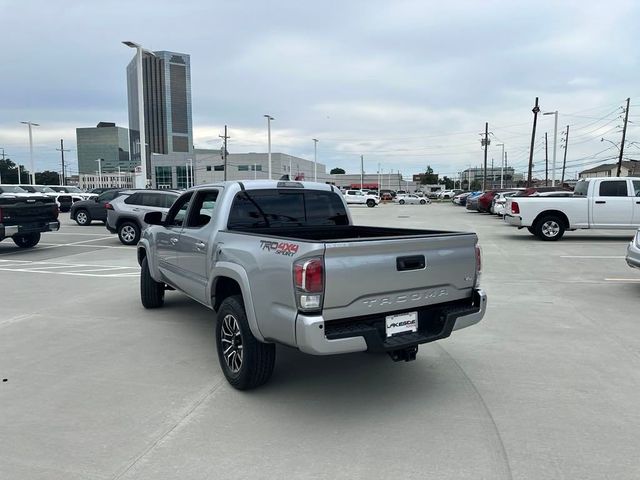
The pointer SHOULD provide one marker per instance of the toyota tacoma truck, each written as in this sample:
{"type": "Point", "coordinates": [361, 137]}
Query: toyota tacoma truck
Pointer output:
{"type": "Point", "coordinates": [606, 203]}
{"type": "Point", "coordinates": [282, 262]}
{"type": "Point", "coordinates": [24, 216]}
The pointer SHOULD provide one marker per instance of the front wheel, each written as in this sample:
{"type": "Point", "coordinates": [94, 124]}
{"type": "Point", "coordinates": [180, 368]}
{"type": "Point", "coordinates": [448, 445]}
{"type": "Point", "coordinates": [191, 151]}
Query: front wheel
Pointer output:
{"type": "Point", "coordinates": [401, 202]}
{"type": "Point", "coordinates": [151, 292]}
{"type": "Point", "coordinates": [27, 240]}
{"type": "Point", "coordinates": [549, 228]}
{"type": "Point", "coordinates": [371, 203]}
{"type": "Point", "coordinates": [129, 233]}
{"type": "Point", "coordinates": [423, 202]}
{"type": "Point", "coordinates": [245, 362]}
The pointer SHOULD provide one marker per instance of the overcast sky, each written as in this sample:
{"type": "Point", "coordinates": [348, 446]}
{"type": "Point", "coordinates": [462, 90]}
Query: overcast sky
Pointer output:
{"type": "Point", "coordinates": [405, 83]}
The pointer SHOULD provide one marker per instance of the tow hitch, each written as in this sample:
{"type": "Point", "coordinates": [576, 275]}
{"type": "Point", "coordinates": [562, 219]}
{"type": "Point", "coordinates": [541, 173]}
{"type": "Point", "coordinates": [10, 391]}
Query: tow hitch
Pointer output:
{"type": "Point", "coordinates": [406, 354]}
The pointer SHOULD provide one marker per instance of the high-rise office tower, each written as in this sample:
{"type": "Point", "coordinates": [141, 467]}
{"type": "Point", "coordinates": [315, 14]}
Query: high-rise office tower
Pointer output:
{"type": "Point", "coordinates": [167, 106]}
{"type": "Point", "coordinates": [107, 142]}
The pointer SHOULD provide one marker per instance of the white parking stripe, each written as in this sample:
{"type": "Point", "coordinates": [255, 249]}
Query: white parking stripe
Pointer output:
{"type": "Point", "coordinates": [86, 246]}
{"type": "Point", "coordinates": [78, 269]}
{"type": "Point", "coordinates": [592, 256]}
{"type": "Point", "coordinates": [628, 280]}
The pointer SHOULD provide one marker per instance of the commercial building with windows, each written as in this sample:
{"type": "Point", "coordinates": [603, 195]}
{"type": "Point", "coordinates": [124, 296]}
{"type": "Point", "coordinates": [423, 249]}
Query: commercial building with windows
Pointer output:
{"type": "Point", "coordinates": [208, 167]}
{"type": "Point", "coordinates": [105, 141]}
{"type": "Point", "coordinates": [107, 180]}
{"type": "Point", "coordinates": [167, 111]}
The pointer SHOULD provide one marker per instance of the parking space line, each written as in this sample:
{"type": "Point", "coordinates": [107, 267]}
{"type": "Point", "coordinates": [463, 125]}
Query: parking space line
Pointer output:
{"type": "Point", "coordinates": [592, 256]}
{"type": "Point", "coordinates": [86, 246]}
{"type": "Point", "coordinates": [57, 245]}
{"type": "Point", "coordinates": [627, 280]}
{"type": "Point", "coordinates": [69, 233]}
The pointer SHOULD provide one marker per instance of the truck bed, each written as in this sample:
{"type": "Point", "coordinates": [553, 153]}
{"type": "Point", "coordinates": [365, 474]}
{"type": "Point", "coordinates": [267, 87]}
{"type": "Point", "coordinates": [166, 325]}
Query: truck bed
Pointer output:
{"type": "Point", "coordinates": [341, 233]}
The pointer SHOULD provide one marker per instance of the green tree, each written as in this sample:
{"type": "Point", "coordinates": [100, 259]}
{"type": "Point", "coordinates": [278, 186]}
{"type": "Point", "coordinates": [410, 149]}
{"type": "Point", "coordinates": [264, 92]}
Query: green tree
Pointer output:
{"type": "Point", "coordinates": [337, 171]}
{"type": "Point", "coordinates": [447, 182]}
{"type": "Point", "coordinates": [9, 172]}
{"type": "Point", "coordinates": [428, 177]}
{"type": "Point", "coordinates": [47, 178]}
{"type": "Point", "coordinates": [476, 185]}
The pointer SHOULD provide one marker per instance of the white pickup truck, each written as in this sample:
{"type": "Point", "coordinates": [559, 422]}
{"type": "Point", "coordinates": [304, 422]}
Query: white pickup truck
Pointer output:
{"type": "Point", "coordinates": [608, 203]}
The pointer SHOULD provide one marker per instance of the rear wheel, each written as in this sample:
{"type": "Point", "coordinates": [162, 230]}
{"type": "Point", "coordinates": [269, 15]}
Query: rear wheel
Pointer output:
{"type": "Point", "coordinates": [371, 203]}
{"type": "Point", "coordinates": [83, 218]}
{"type": "Point", "coordinates": [129, 233]}
{"type": "Point", "coordinates": [245, 362]}
{"type": "Point", "coordinates": [27, 240]}
{"type": "Point", "coordinates": [549, 228]}
{"type": "Point", "coordinates": [401, 202]}
{"type": "Point", "coordinates": [531, 230]}
{"type": "Point", "coordinates": [151, 292]}
{"type": "Point", "coordinates": [423, 202]}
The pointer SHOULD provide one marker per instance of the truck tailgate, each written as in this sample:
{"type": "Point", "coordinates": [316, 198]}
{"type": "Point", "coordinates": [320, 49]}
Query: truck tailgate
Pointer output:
{"type": "Point", "coordinates": [365, 277]}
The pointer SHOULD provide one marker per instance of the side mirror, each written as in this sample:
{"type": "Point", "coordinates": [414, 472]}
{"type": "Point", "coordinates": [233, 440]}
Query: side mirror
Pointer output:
{"type": "Point", "coordinates": [153, 218]}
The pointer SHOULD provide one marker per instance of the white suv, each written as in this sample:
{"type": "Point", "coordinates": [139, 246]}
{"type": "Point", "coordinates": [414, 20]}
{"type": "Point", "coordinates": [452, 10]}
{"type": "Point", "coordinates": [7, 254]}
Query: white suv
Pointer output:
{"type": "Point", "coordinates": [357, 197]}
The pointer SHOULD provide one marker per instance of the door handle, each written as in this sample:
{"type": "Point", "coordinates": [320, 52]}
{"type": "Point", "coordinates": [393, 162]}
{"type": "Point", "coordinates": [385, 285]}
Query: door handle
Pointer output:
{"type": "Point", "coordinates": [173, 240]}
{"type": "Point", "coordinates": [200, 245]}
{"type": "Point", "coordinates": [600, 201]}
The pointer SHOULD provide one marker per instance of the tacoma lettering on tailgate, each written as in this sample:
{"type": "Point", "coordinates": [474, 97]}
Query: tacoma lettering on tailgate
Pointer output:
{"type": "Point", "coordinates": [405, 298]}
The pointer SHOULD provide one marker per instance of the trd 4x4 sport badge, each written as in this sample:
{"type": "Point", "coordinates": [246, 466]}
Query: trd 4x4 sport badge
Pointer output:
{"type": "Point", "coordinates": [280, 248]}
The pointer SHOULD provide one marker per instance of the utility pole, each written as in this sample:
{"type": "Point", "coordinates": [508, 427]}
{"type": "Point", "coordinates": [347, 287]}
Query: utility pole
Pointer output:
{"type": "Point", "coordinates": [501, 164]}
{"type": "Point", "coordinates": [361, 172]}
{"type": "Point", "coordinates": [315, 159]}
{"type": "Point", "coordinates": [485, 144]}
{"type": "Point", "coordinates": [546, 160]}
{"type": "Point", "coordinates": [62, 150]}
{"type": "Point", "coordinates": [3, 162]}
{"type": "Point", "coordinates": [269, 118]}
{"type": "Point", "coordinates": [505, 165]}
{"type": "Point", "coordinates": [493, 177]}
{"type": "Point", "coordinates": [624, 134]}
{"type": "Point", "coordinates": [564, 162]}
{"type": "Point", "coordinates": [225, 137]}
{"type": "Point", "coordinates": [535, 110]}
{"type": "Point", "coordinates": [33, 170]}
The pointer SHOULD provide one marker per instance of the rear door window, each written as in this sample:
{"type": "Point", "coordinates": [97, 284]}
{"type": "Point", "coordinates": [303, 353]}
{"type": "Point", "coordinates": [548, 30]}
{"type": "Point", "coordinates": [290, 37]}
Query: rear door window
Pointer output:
{"type": "Point", "coordinates": [277, 208]}
{"type": "Point", "coordinates": [636, 188]}
{"type": "Point", "coordinates": [134, 199]}
{"type": "Point", "coordinates": [613, 188]}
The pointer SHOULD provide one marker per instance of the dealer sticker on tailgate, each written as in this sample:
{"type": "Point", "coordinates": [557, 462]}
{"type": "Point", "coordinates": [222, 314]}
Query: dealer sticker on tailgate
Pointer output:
{"type": "Point", "coordinates": [403, 322]}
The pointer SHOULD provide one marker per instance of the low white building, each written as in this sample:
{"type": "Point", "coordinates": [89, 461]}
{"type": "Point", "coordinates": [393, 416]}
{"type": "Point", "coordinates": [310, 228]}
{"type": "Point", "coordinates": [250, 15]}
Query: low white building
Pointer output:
{"type": "Point", "coordinates": [628, 168]}
{"type": "Point", "coordinates": [106, 180]}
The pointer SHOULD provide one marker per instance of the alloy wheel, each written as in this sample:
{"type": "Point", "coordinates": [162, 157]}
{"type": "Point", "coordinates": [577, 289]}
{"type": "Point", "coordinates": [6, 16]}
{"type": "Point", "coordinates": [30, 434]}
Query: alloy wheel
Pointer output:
{"type": "Point", "coordinates": [231, 339]}
{"type": "Point", "coordinates": [550, 228]}
{"type": "Point", "coordinates": [128, 233]}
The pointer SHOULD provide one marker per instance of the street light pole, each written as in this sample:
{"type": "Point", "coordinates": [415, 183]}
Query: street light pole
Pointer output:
{"type": "Point", "coordinates": [141, 123]}
{"type": "Point", "coordinates": [31, 166]}
{"type": "Point", "coordinates": [501, 165]}
{"type": "Point", "coordinates": [269, 118]}
{"type": "Point", "coordinates": [315, 159]}
{"type": "Point", "coordinates": [555, 146]}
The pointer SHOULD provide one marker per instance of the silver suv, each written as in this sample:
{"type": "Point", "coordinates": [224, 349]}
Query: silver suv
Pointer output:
{"type": "Point", "coordinates": [125, 214]}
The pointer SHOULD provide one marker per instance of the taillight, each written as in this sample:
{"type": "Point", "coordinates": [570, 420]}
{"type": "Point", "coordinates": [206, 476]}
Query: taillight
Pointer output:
{"type": "Point", "coordinates": [478, 265]}
{"type": "Point", "coordinates": [308, 278]}
{"type": "Point", "coordinates": [108, 206]}
{"type": "Point", "coordinates": [515, 208]}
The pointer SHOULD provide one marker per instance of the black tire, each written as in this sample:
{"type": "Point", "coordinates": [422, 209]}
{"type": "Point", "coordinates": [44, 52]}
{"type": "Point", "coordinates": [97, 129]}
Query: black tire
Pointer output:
{"type": "Point", "coordinates": [129, 233]}
{"type": "Point", "coordinates": [27, 240]}
{"type": "Point", "coordinates": [549, 228]}
{"type": "Point", "coordinates": [371, 203]}
{"type": "Point", "coordinates": [531, 230]}
{"type": "Point", "coordinates": [254, 364]}
{"type": "Point", "coordinates": [151, 292]}
{"type": "Point", "coordinates": [401, 202]}
{"type": "Point", "coordinates": [423, 202]}
{"type": "Point", "coordinates": [82, 217]}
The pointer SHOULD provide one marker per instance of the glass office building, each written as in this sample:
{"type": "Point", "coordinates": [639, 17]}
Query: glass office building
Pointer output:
{"type": "Point", "coordinates": [167, 107]}
{"type": "Point", "coordinates": [105, 141]}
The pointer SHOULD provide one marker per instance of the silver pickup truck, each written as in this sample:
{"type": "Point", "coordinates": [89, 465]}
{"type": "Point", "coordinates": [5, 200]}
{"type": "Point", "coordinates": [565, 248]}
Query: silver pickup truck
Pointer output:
{"type": "Point", "coordinates": [282, 262]}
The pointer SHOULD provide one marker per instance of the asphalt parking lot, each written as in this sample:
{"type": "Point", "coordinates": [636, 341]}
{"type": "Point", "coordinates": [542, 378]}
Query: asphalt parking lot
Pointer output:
{"type": "Point", "coordinates": [547, 386]}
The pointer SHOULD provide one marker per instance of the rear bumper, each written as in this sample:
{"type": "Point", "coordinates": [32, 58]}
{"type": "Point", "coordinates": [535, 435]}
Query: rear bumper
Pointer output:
{"type": "Point", "coordinates": [11, 230]}
{"type": "Point", "coordinates": [513, 220]}
{"type": "Point", "coordinates": [317, 337]}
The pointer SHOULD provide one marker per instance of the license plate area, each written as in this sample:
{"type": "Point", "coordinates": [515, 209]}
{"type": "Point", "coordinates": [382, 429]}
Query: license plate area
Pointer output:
{"type": "Point", "coordinates": [401, 323]}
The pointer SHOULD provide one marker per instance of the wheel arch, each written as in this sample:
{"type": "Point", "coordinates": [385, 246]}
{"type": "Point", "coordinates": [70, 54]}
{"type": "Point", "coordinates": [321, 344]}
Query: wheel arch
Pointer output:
{"type": "Point", "coordinates": [229, 279]}
{"type": "Point", "coordinates": [556, 213]}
